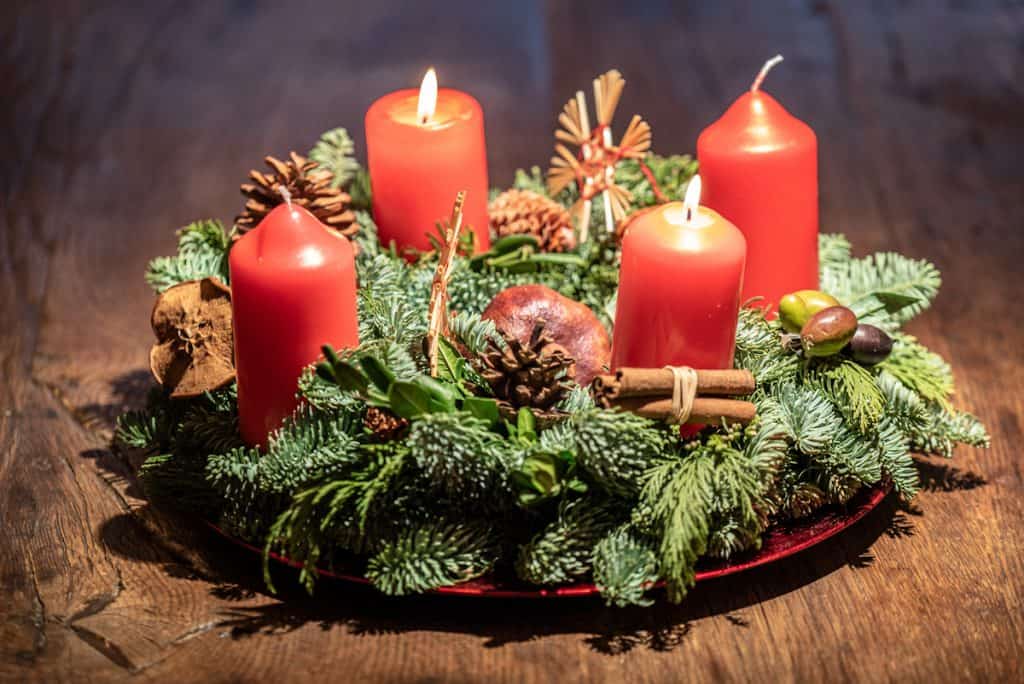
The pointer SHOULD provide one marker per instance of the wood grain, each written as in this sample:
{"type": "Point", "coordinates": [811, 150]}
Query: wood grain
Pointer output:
{"type": "Point", "coordinates": [122, 121]}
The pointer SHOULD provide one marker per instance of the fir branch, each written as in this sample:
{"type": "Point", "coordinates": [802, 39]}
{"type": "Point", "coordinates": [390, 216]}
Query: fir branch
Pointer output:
{"type": "Point", "coordinates": [335, 151]}
{"type": "Point", "coordinates": [670, 173]}
{"type": "Point", "coordinates": [473, 332]}
{"type": "Point", "coordinates": [139, 430]}
{"type": "Point", "coordinates": [565, 548]}
{"type": "Point", "coordinates": [460, 457]}
{"type": "Point", "coordinates": [759, 348]}
{"type": "Point", "coordinates": [675, 504]}
{"type": "Point", "coordinates": [176, 479]}
{"type": "Point", "coordinates": [851, 387]}
{"type": "Point", "coordinates": [885, 289]}
{"type": "Point", "coordinates": [897, 464]}
{"type": "Point", "coordinates": [833, 253]}
{"type": "Point", "coordinates": [336, 513]}
{"type": "Point", "coordinates": [810, 419]}
{"type": "Point", "coordinates": [432, 555]}
{"type": "Point", "coordinates": [309, 447]}
{"type": "Point", "coordinates": [920, 370]}
{"type": "Point", "coordinates": [625, 568]}
{"type": "Point", "coordinates": [945, 430]}
{"type": "Point", "coordinates": [614, 449]}
{"type": "Point", "coordinates": [202, 252]}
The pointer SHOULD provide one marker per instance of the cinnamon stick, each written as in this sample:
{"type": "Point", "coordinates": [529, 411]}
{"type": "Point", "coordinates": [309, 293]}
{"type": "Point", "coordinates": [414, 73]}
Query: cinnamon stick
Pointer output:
{"type": "Point", "coordinates": [705, 410]}
{"type": "Point", "coordinates": [658, 382]}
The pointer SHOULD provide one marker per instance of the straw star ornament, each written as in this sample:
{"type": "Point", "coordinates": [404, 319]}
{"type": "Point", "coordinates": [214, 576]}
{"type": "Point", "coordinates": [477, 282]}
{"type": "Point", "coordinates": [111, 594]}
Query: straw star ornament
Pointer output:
{"type": "Point", "coordinates": [592, 167]}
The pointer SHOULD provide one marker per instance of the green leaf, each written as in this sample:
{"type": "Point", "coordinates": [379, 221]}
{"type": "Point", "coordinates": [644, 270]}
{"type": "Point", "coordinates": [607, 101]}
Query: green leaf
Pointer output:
{"type": "Point", "coordinates": [378, 373]}
{"type": "Point", "coordinates": [349, 377]}
{"type": "Point", "coordinates": [411, 399]}
{"type": "Point", "coordinates": [526, 425]}
{"type": "Point", "coordinates": [451, 367]}
{"type": "Point", "coordinates": [483, 408]}
{"type": "Point", "coordinates": [408, 400]}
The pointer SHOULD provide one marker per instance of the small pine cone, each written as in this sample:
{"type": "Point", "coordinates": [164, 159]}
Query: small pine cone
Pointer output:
{"type": "Point", "coordinates": [517, 212]}
{"type": "Point", "coordinates": [384, 425]}
{"type": "Point", "coordinates": [535, 374]}
{"type": "Point", "coordinates": [309, 187]}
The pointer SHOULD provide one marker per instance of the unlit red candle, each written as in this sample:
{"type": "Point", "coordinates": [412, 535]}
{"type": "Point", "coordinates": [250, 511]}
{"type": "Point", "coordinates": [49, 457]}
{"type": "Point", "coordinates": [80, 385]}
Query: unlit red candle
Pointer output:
{"type": "Point", "coordinates": [293, 289]}
{"type": "Point", "coordinates": [760, 169]}
{"type": "Point", "coordinates": [679, 288]}
{"type": "Point", "coordinates": [422, 148]}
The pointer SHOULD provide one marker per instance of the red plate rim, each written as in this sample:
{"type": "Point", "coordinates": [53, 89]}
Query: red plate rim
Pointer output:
{"type": "Point", "coordinates": [779, 542]}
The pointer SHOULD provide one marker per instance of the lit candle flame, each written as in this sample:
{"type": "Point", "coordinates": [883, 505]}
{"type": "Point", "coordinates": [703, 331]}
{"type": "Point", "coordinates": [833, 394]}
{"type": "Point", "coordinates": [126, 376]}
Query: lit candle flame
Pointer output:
{"type": "Point", "coordinates": [692, 199]}
{"type": "Point", "coordinates": [428, 97]}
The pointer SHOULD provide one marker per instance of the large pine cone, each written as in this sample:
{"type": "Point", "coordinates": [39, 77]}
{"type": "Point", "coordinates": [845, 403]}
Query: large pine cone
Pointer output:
{"type": "Point", "coordinates": [536, 374]}
{"type": "Point", "coordinates": [517, 212]}
{"type": "Point", "coordinates": [310, 188]}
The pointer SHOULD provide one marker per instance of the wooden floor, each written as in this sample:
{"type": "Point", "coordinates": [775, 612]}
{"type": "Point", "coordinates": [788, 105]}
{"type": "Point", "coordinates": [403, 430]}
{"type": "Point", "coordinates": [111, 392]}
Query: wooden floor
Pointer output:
{"type": "Point", "coordinates": [122, 121]}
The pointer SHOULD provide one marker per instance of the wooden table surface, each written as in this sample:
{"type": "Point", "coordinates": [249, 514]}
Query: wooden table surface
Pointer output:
{"type": "Point", "coordinates": [122, 121]}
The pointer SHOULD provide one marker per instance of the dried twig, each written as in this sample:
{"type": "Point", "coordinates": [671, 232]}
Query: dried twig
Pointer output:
{"type": "Point", "coordinates": [437, 317]}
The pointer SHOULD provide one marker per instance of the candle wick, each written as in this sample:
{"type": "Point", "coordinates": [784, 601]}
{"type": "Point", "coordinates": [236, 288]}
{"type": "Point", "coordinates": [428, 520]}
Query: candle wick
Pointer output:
{"type": "Point", "coordinates": [764, 72]}
{"type": "Point", "coordinates": [286, 195]}
{"type": "Point", "coordinates": [689, 214]}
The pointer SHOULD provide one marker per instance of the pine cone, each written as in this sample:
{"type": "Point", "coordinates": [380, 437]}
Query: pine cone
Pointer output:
{"type": "Point", "coordinates": [535, 374]}
{"type": "Point", "coordinates": [309, 187]}
{"type": "Point", "coordinates": [515, 212]}
{"type": "Point", "coordinates": [383, 424]}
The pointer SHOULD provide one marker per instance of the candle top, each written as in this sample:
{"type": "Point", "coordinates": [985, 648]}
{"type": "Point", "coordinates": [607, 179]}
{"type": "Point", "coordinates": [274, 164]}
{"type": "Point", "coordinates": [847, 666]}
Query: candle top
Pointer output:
{"type": "Point", "coordinates": [756, 122]}
{"type": "Point", "coordinates": [402, 106]}
{"type": "Point", "coordinates": [291, 237]}
{"type": "Point", "coordinates": [674, 227]}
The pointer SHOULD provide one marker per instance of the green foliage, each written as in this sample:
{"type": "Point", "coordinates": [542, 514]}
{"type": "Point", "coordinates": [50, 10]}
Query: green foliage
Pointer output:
{"type": "Point", "coordinates": [337, 513]}
{"type": "Point", "coordinates": [671, 174]}
{"type": "Point", "coordinates": [564, 549]}
{"type": "Point", "coordinates": [473, 332]}
{"type": "Point", "coordinates": [202, 252]}
{"type": "Point", "coordinates": [885, 289]}
{"type": "Point", "coordinates": [759, 350]}
{"type": "Point", "coordinates": [833, 252]}
{"type": "Point", "coordinates": [335, 151]}
{"type": "Point", "coordinates": [675, 504]}
{"type": "Point", "coordinates": [460, 457]}
{"type": "Point", "coordinates": [432, 555]}
{"type": "Point", "coordinates": [920, 370]}
{"type": "Point", "coordinates": [809, 418]}
{"type": "Point", "coordinates": [946, 429]}
{"type": "Point", "coordinates": [614, 449]}
{"type": "Point", "coordinates": [850, 387]}
{"type": "Point", "coordinates": [625, 568]}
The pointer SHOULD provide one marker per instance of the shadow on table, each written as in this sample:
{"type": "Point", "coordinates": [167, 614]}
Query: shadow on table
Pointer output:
{"type": "Point", "coordinates": [364, 611]}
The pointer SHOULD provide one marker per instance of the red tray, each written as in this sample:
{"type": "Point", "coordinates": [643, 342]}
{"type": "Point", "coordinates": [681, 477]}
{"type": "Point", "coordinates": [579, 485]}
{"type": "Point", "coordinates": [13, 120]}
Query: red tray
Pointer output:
{"type": "Point", "coordinates": [781, 541]}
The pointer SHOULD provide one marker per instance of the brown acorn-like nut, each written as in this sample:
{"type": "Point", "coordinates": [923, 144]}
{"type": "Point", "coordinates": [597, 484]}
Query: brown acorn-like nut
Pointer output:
{"type": "Point", "coordinates": [828, 331]}
{"type": "Point", "coordinates": [194, 349]}
{"type": "Point", "coordinates": [870, 345]}
{"type": "Point", "coordinates": [569, 323]}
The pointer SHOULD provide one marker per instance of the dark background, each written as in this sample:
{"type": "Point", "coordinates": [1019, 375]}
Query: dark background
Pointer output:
{"type": "Point", "coordinates": [123, 121]}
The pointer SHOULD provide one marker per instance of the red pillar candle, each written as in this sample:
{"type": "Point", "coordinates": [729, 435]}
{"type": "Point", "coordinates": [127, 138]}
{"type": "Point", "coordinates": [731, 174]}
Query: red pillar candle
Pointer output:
{"type": "Point", "coordinates": [679, 287]}
{"type": "Point", "coordinates": [760, 170]}
{"type": "Point", "coordinates": [422, 149]}
{"type": "Point", "coordinates": [293, 289]}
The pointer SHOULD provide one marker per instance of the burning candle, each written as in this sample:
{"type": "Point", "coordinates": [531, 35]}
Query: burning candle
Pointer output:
{"type": "Point", "coordinates": [423, 148]}
{"type": "Point", "coordinates": [293, 289]}
{"type": "Point", "coordinates": [679, 287]}
{"type": "Point", "coordinates": [742, 158]}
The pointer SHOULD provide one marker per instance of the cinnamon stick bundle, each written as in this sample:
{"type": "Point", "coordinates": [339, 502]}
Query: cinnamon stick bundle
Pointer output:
{"type": "Point", "coordinates": [705, 409]}
{"type": "Point", "coordinates": [657, 382]}
{"type": "Point", "coordinates": [648, 392]}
